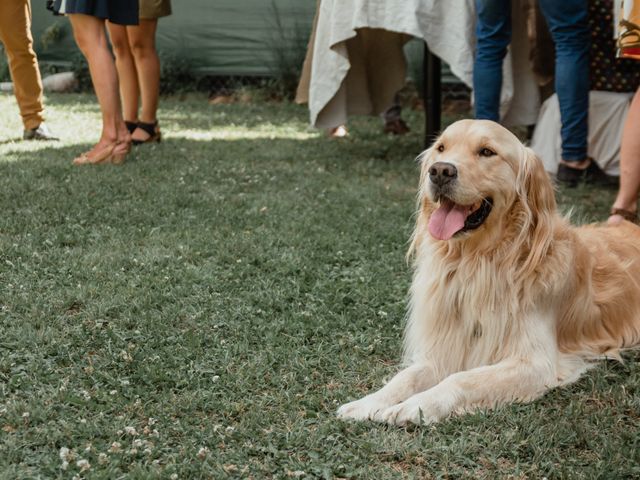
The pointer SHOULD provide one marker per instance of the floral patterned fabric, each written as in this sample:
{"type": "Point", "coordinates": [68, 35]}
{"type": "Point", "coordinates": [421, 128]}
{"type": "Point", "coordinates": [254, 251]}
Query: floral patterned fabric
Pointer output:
{"type": "Point", "coordinates": [608, 72]}
{"type": "Point", "coordinates": [629, 35]}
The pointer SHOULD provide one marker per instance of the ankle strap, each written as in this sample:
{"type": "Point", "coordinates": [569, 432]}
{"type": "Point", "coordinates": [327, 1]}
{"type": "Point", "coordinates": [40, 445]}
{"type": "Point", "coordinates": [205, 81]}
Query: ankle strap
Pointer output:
{"type": "Point", "coordinates": [150, 128]}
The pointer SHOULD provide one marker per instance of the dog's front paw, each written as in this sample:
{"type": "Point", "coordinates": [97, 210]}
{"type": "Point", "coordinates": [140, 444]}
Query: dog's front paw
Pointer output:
{"type": "Point", "coordinates": [367, 408]}
{"type": "Point", "coordinates": [414, 410]}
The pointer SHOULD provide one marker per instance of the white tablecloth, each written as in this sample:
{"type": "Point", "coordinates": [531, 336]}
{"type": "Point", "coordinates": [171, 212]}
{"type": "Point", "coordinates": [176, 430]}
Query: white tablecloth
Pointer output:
{"type": "Point", "coordinates": [607, 113]}
{"type": "Point", "coordinates": [358, 63]}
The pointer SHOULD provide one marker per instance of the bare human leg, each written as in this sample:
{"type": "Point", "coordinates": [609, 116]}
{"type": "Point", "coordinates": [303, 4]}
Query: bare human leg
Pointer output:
{"type": "Point", "coordinates": [142, 40]}
{"type": "Point", "coordinates": [626, 203]}
{"type": "Point", "coordinates": [127, 72]}
{"type": "Point", "coordinates": [91, 38]}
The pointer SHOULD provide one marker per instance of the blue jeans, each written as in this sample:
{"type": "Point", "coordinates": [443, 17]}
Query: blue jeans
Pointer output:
{"type": "Point", "coordinates": [569, 27]}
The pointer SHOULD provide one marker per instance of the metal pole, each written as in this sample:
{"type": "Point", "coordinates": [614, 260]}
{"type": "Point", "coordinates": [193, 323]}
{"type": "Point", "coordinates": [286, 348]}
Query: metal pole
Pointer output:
{"type": "Point", "coordinates": [432, 95]}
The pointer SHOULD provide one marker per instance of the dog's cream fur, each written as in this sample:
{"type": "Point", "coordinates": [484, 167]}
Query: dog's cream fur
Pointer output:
{"type": "Point", "coordinates": [511, 309]}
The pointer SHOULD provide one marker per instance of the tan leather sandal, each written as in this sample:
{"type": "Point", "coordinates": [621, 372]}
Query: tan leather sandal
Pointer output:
{"type": "Point", "coordinates": [99, 157]}
{"type": "Point", "coordinates": [114, 153]}
{"type": "Point", "coordinates": [120, 152]}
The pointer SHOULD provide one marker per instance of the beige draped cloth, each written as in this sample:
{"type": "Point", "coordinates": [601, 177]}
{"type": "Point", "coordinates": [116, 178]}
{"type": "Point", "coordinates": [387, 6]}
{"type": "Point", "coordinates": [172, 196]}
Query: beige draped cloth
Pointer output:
{"type": "Point", "coordinates": [355, 61]}
{"type": "Point", "coordinates": [607, 113]}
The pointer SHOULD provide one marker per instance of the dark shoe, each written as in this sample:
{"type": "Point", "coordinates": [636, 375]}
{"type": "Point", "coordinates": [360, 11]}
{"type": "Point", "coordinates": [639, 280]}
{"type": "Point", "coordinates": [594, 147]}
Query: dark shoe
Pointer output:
{"type": "Point", "coordinates": [592, 175]}
{"type": "Point", "coordinates": [42, 132]}
{"type": "Point", "coordinates": [152, 129]}
{"type": "Point", "coordinates": [396, 127]}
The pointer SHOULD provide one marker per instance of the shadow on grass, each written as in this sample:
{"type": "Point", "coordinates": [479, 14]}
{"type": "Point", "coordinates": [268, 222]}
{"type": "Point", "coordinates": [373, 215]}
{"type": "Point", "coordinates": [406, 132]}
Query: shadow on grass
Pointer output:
{"type": "Point", "coordinates": [11, 140]}
{"type": "Point", "coordinates": [192, 177]}
{"type": "Point", "coordinates": [364, 154]}
{"type": "Point", "coordinates": [238, 149]}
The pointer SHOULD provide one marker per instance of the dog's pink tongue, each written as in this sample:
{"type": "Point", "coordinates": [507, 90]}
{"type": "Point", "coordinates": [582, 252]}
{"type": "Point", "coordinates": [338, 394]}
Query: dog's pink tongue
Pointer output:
{"type": "Point", "coordinates": [447, 220]}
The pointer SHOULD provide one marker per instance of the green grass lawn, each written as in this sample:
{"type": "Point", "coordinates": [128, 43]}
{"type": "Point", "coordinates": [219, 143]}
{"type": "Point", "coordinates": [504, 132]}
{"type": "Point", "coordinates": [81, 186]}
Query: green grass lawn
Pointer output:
{"type": "Point", "coordinates": [201, 311]}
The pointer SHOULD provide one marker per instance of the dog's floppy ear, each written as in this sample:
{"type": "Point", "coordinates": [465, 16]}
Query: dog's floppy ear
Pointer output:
{"type": "Point", "coordinates": [534, 186]}
{"type": "Point", "coordinates": [537, 209]}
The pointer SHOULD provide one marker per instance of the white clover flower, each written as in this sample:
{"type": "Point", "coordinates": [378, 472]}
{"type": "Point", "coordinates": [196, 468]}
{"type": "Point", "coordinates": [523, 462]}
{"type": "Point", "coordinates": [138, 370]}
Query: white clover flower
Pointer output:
{"type": "Point", "coordinates": [202, 453]}
{"type": "Point", "coordinates": [103, 458]}
{"type": "Point", "coordinates": [64, 453]}
{"type": "Point", "coordinates": [83, 464]}
{"type": "Point", "coordinates": [130, 430]}
{"type": "Point", "coordinates": [115, 447]}
{"type": "Point", "coordinates": [137, 443]}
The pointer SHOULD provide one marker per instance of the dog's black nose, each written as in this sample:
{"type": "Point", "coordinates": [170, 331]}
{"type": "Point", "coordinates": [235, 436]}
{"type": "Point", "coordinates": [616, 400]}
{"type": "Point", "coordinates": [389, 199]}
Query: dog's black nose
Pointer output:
{"type": "Point", "coordinates": [441, 173]}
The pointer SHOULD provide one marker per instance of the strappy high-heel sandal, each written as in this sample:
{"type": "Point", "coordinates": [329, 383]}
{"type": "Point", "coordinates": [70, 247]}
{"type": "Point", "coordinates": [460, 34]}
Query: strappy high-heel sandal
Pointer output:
{"type": "Point", "coordinates": [97, 158]}
{"type": "Point", "coordinates": [152, 129]}
{"type": "Point", "coordinates": [131, 126]}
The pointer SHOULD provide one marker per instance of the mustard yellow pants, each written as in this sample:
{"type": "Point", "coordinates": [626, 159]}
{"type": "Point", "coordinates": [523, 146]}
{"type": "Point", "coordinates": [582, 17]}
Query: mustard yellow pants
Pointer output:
{"type": "Point", "coordinates": [15, 35]}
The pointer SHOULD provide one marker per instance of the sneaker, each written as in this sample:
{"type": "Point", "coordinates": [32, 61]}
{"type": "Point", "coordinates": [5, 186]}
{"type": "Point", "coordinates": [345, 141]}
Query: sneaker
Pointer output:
{"type": "Point", "coordinates": [592, 175]}
{"type": "Point", "coordinates": [42, 132]}
{"type": "Point", "coordinates": [396, 127]}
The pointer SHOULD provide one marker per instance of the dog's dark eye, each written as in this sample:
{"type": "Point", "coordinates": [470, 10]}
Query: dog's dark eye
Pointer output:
{"type": "Point", "coordinates": [440, 148]}
{"type": "Point", "coordinates": [487, 152]}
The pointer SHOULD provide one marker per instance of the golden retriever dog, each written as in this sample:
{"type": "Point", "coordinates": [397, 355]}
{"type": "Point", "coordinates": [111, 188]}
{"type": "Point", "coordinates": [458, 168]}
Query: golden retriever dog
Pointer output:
{"type": "Point", "coordinates": [508, 300]}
